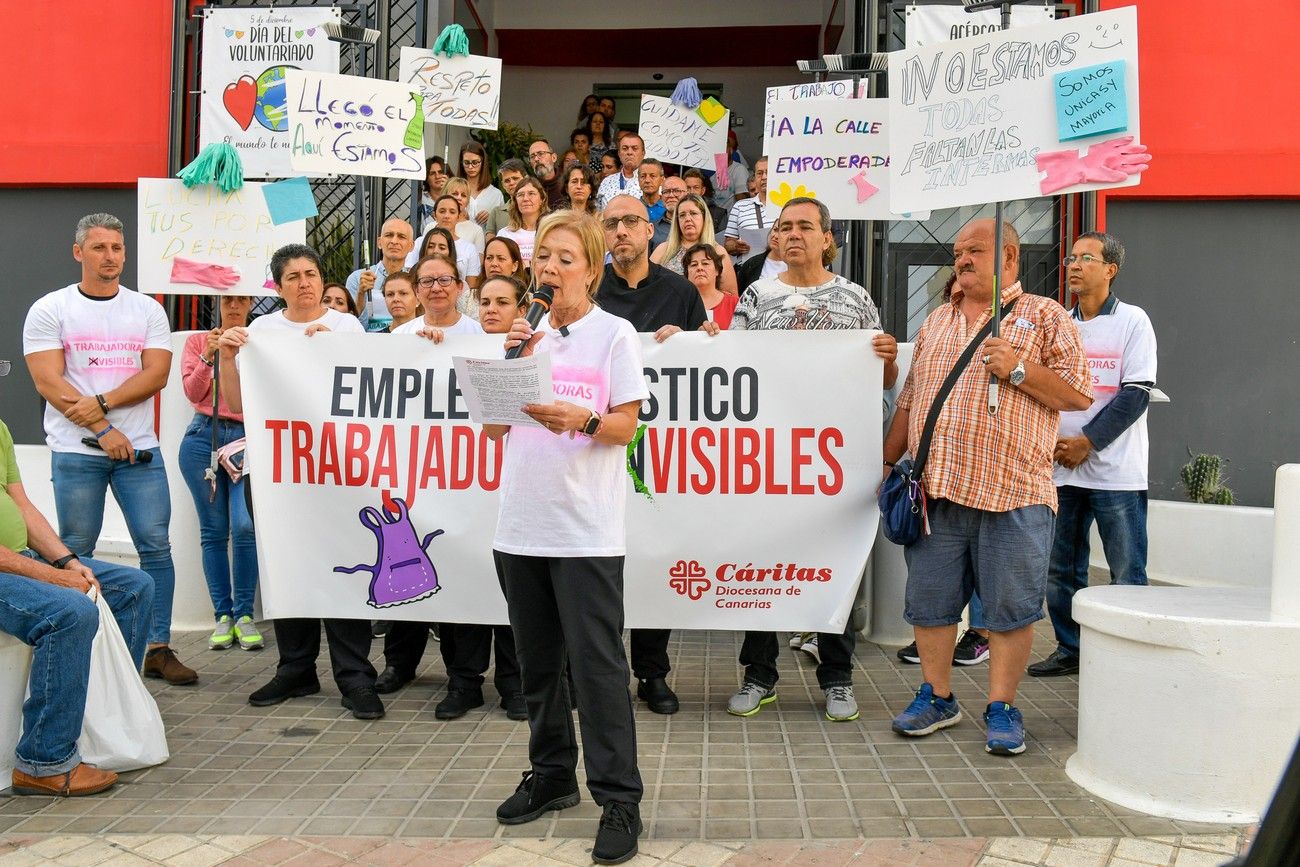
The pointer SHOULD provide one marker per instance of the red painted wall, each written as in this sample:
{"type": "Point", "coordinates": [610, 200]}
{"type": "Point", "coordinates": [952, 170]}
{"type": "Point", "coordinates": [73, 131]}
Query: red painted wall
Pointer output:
{"type": "Point", "coordinates": [1218, 86]}
{"type": "Point", "coordinates": [87, 95]}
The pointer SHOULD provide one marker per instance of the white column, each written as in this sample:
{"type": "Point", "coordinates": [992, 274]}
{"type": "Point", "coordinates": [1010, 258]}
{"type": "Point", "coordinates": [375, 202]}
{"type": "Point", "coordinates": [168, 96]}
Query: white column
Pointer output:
{"type": "Point", "coordinates": [1285, 602]}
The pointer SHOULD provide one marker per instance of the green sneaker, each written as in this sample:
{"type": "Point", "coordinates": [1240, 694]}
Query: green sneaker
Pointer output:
{"type": "Point", "coordinates": [246, 632]}
{"type": "Point", "coordinates": [223, 635]}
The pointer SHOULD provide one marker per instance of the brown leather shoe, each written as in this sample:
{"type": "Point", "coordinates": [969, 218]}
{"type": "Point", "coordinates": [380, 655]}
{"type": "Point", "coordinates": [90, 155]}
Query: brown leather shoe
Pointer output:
{"type": "Point", "coordinates": [162, 662]}
{"type": "Point", "coordinates": [84, 779]}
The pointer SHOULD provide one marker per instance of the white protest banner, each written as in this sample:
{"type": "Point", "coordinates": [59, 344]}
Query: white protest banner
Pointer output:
{"type": "Point", "coordinates": [760, 511]}
{"type": "Point", "coordinates": [692, 137]}
{"type": "Point", "coordinates": [203, 226]}
{"type": "Point", "coordinates": [976, 120]}
{"type": "Point", "coordinates": [835, 150]}
{"type": "Point", "coordinates": [464, 90]}
{"type": "Point", "coordinates": [928, 24]}
{"type": "Point", "coordinates": [346, 124]}
{"type": "Point", "coordinates": [837, 89]}
{"type": "Point", "coordinates": [245, 55]}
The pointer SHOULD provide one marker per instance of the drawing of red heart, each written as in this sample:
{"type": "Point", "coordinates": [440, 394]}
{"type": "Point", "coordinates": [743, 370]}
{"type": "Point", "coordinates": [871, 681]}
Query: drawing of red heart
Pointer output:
{"type": "Point", "coordinates": [240, 98]}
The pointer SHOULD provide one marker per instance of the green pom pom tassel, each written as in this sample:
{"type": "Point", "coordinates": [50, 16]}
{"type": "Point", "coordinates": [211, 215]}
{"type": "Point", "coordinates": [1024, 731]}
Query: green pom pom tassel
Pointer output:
{"type": "Point", "coordinates": [637, 484]}
{"type": "Point", "coordinates": [218, 164]}
{"type": "Point", "coordinates": [452, 41]}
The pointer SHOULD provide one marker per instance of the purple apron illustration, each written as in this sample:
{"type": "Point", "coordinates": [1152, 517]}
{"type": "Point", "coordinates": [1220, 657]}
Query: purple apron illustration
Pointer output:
{"type": "Point", "coordinates": [402, 572]}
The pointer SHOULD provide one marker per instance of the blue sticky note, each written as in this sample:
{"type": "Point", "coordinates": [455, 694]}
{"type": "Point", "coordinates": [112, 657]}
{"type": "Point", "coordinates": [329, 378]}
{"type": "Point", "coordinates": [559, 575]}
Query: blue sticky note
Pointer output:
{"type": "Point", "coordinates": [289, 200]}
{"type": "Point", "coordinates": [1091, 100]}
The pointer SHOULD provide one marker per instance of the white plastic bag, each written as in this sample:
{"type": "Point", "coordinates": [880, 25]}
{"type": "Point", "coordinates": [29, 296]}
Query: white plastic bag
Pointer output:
{"type": "Point", "coordinates": [122, 729]}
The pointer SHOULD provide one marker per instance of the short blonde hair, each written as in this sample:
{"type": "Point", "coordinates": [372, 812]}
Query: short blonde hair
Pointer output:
{"type": "Point", "coordinates": [590, 237]}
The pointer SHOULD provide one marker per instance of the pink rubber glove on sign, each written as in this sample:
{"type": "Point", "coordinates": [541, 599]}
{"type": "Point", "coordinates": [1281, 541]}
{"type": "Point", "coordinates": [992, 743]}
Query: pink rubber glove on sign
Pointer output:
{"type": "Point", "coordinates": [204, 273]}
{"type": "Point", "coordinates": [1106, 162]}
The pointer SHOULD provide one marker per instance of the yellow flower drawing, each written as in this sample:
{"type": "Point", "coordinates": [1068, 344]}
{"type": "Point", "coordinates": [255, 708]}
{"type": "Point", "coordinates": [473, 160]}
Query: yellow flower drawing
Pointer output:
{"type": "Point", "coordinates": [783, 194]}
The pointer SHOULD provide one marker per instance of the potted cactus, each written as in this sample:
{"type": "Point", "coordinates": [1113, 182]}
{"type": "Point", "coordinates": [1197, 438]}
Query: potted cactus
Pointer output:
{"type": "Point", "coordinates": [1203, 478]}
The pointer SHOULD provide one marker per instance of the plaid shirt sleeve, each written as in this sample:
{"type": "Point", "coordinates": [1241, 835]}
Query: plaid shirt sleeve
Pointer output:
{"type": "Point", "coordinates": [1063, 351]}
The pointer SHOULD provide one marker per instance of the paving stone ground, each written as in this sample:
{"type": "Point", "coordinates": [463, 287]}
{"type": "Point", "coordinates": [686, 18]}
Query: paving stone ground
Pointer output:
{"type": "Point", "coordinates": [305, 783]}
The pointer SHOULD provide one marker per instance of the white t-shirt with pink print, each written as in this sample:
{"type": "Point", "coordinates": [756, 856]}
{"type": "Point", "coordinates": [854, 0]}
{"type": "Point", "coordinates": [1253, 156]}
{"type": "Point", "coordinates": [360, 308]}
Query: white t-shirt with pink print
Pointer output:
{"type": "Point", "coordinates": [563, 497]}
{"type": "Point", "coordinates": [103, 343]}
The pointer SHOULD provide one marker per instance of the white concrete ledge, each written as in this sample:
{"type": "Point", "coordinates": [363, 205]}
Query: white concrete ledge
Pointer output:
{"type": "Point", "coordinates": [1198, 545]}
{"type": "Point", "coordinates": [1189, 700]}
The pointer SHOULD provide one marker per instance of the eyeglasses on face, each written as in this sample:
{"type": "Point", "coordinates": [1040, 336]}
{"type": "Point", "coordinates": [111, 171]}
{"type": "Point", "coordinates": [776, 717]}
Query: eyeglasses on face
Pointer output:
{"type": "Point", "coordinates": [446, 281]}
{"type": "Point", "coordinates": [1086, 258]}
{"type": "Point", "coordinates": [629, 221]}
{"type": "Point", "coordinates": [537, 154]}
{"type": "Point", "coordinates": [471, 164]}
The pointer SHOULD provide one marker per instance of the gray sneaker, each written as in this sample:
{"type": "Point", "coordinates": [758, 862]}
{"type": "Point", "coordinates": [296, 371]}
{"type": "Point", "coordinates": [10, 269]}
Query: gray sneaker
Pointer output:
{"type": "Point", "coordinates": [841, 706]}
{"type": "Point", "coordinates": [750, 699]}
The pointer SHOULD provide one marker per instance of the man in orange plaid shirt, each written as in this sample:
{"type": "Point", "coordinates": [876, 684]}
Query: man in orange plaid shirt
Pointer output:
{"type": "Point", "coordinates": [988, 478]}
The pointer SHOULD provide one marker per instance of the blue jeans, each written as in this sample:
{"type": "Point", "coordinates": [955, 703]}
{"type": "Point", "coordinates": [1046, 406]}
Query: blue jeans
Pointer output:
{"type": "Point", "coordinates": [977, 612]}
{"type": "Point", "coordinates": [1122, 524]}
{"type": "Point", "coordinates": [224, 523]}
{"type": "Point", "coordinates": [59, 623]}
{"type": "Point", "coordinates": [80, 482]}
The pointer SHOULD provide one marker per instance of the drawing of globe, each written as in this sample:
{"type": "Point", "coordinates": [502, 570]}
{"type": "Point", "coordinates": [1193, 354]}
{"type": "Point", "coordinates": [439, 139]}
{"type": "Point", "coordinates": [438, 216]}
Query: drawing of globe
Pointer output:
{"type": "Point", "coordinates": [270, 108]}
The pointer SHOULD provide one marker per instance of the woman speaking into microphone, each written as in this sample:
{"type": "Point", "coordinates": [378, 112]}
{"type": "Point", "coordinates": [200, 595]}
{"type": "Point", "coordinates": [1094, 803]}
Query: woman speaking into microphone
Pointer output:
{"type": "Point", "coordinates": [560, 542]}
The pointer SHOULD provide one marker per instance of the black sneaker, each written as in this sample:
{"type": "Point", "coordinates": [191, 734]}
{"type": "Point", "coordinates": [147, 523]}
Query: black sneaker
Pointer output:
{"type": "Point", "coordinates": [1056, 665]}
{"type": "Point", "coordinates": [910, 654]}
{"type": "Point", "coordinates": [280, 689]}
{"type": "Point", "coordinates": [534, 797]}
{"type": "Point", "coordinates": [620, 825]}
{"type": "Point", "coordinates": [656, 693]}
{"type": "Point", "coordinates": [516, 706]}
{"type": "Point", "coordinates": [364, 703]}
{"type": "Point", "coordinates": [972, 649]}
{"type": "Point", "coordinates": [379, 628]}
{"type": "Point", "coordinates": [391, 680]}
{"type": "Point", "coordinates": [458, 703]}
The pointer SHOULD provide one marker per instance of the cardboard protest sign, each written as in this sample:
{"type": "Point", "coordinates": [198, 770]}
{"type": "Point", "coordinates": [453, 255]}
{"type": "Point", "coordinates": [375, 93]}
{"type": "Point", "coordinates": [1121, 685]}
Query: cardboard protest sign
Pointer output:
{"type": "Point", "coordinates": [458, 91]}
{"type": "Point", "coordinates": [837, 89]}
{"type": "Point", "coordinates": [245, 55]}
{"type": "Point", "coordinates": [208, 230]}
{"type": "Point", "coordinates": [924, 25]}
{"type": "Point", "coordinates": [684, 136]}
{"type": "Point", "coordinates": [975, 120]}
{"type": "Point", "coordinates": [835, 150]}
{"type": "Point", "coordinates": [346, 124]}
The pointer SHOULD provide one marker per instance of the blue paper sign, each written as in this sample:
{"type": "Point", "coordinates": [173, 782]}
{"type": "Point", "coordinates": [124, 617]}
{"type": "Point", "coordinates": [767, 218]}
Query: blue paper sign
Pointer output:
{"type": "Point", "coordinates": [289, 200]}
{"type": "Point", "coordinates": [1091, 100]}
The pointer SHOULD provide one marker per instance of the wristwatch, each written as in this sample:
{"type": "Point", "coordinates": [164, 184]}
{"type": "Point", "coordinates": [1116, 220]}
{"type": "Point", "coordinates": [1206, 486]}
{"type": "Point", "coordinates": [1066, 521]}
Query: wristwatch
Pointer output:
{"type": "Point", "coordinates": [592, 425]}
{"type": "Point", "coordinates": [63, 562]}
{"type": "Point", "coordinates": [1017, 375]}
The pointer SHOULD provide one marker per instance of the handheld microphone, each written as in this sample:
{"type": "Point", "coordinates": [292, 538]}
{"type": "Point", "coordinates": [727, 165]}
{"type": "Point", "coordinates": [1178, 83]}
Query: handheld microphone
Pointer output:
{"type": "Point", "coordinates": [538, 307]}
{"type": "Point", "coordinates": [140, 457]}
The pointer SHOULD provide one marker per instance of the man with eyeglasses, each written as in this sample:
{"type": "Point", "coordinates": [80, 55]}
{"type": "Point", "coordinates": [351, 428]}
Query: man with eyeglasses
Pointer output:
{"type": "Point", "coordinates": [654, 300]}
{"type": "Point", "coordinates": [671, 191]}
{"type": "Point", "coordinates": [541, 156]}
{"type": "Point", "coordinates": [1101, 452]}
{"type": "Point", "coordinates": [44, 602]}
{"type": "Point", "coordinates": [631, 152]}
{"type": "Point", "coordinates": [988, 481]}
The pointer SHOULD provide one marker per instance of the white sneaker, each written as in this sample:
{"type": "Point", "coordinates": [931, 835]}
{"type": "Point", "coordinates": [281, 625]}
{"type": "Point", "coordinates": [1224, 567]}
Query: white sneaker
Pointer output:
{"type": "Point", "coordinates": [810, 647]}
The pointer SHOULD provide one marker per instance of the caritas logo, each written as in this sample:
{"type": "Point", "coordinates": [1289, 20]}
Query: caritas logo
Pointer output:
{"type": "Point", "coordinates": [688, 578]}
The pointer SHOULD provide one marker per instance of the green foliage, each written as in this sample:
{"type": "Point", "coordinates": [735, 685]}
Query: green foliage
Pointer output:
{"type": "Point", "coordinates": [335, 244]}
{"type": "Point", "coordinates": [1203, 478]}
{"type": "Point", "coordinates": [507, 141]}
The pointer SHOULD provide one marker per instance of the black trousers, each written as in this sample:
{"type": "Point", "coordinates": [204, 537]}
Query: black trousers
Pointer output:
{"type": "Point", "coordinates": [406, 640]}
{"type": "Point", "coordinates": [759, 652]}
{"type": "Point", "coordinates": [571, 608]}
{"type": "Point", "coordinates": [650, 653]}
{"type": "Point", "coordinates": [473, 643]}
{"type": "Point", "coordinates": [298, 640]}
